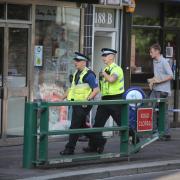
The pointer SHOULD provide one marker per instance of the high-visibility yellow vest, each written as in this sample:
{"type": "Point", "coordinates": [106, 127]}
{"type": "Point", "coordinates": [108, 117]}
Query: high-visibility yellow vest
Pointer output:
{"type": "Point", "coordinates": [80, 91]}
{"type": "Point", "coordinates": [115, 88]}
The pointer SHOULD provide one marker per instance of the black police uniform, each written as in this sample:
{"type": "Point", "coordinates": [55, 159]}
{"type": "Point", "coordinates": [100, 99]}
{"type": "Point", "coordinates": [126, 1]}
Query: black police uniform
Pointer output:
{"type": "Point", "coordinates": [79, 113]}
{"type": "Point", "coordinates": [97, 141]}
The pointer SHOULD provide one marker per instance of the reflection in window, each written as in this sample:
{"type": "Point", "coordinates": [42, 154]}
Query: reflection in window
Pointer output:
{"type": "Point", "coordinates": [2, 11]}
{"type": "Point", "coordinates": [172, 15]}
{"type": "Point", "coordinates": [139, 20]}
{"type": "Point", "coordinates": [18, 53]}
{"type": "Point", "coordinates": [141, 63]}
{"type": "Point", "coordinates": [143, 14]}
{"type": "Point", "coordinates": [18, 12]}
{"type": "Point", "coordinates": [57, 32]}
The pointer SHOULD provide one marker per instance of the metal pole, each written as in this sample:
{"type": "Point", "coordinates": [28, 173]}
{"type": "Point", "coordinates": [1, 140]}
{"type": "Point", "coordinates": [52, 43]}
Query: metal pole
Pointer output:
{"type": "Point", "coordinates": [125, 134]}
{"type": "Point", "coordinates": [161, 119]}
{"type": "Point", "coordinates": [43, 141]}
{"type": "Point", "coordinates": [30, 135]}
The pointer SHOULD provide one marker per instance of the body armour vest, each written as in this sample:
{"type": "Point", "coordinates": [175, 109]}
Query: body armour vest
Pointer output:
{"type": "Point", "coordinates": [79, 91]}
{"type": "Point", "coordinates": [116, 87]}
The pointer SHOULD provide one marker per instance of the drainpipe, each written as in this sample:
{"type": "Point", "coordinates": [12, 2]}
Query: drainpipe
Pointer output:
{"type": "Point", "coordinates": [126, 47]}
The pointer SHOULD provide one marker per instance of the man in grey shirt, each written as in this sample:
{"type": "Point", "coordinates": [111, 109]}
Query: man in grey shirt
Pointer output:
{"type": "Point", "coordinates": [160, 84]}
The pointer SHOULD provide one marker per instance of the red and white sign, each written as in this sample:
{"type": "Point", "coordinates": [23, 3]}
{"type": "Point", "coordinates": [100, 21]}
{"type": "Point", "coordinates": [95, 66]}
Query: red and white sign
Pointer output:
{"type": "Point", "coordinates": [144, 119]}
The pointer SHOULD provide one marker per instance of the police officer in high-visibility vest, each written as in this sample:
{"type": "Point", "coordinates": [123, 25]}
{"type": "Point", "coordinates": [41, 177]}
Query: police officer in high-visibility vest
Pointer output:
{"type": "Point", "coordinates": [84, 87]}
{"type": "Point", "coordinates": [112, 88]}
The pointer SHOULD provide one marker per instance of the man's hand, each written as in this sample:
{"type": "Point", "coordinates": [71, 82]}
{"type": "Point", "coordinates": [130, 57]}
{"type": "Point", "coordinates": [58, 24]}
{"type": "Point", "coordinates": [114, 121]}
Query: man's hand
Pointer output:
{"type": "Point", "coordinates": [153, 81]}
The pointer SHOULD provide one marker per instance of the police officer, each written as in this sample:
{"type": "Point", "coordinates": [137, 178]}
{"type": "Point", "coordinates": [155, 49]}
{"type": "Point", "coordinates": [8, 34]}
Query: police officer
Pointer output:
{"type": "Point", "coordinates": [84, 87]}
{"type": "Point", "coordinates": [112, 88]}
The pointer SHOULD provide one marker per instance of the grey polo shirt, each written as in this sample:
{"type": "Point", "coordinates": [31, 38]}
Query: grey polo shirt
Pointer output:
{"type": "Point", "coordinates": [162, 69]}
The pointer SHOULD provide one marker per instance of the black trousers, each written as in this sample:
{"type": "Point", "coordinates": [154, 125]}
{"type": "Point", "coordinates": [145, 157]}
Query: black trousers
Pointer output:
{"type": "Point", "coordinates": [79, 114]}
{"type": "Point", "coordinates": [102, 115]}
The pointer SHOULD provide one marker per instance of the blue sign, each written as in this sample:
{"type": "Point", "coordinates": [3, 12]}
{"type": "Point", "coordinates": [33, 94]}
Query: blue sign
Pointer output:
{"type": "Point", "coordinates": [134, 93]}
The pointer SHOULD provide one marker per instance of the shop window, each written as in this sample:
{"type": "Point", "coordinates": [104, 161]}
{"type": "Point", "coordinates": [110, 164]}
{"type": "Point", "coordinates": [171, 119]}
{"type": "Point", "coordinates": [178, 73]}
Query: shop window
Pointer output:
{"type": "Point", "coordinates": [147, 13]}
{"type": "Point", "coordinates": [57, 33]}
{"type": "Point", "coordinates": [18, 12]}
{"type": "Point", "coordinates": [18, 54]}
{"type": "Point", "coordinates": [172, 15]}
{"type": "Point", "coordinates": [57, 37]}
{"type": "Point", "coordinates": [141, 63]}
{"type": "Point", "coordinates": [2, 11]}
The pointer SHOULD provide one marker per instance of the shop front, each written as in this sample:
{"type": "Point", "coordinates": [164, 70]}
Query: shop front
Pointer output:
{"type": "Point", "coordinates": [162, 25]}
{"type": "Point", "coordinates": [57, 37]}
{"type": "Point", "coordinates": [37, 41]}
{"type": "Point", "coordinates": [37, 44]}
{"type": "Point", "coordinates": [15, 38]}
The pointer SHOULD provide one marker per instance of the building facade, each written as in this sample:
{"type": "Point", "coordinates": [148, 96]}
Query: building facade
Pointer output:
{"type": "Point", "coordinates": [37, 42]}
{"type": "Point", "coordinates": [38, 39]}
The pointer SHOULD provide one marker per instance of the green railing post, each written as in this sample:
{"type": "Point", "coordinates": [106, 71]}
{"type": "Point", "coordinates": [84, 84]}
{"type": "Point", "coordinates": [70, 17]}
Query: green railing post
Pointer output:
{"type": "Point", "coordinates": [125, 134]}
{"type": "Point", "coordinates": [161, 119]}
{"type": "Point", "coordinates": [30, 138]}
{"type": "Point", "coordinates": [43, 141]}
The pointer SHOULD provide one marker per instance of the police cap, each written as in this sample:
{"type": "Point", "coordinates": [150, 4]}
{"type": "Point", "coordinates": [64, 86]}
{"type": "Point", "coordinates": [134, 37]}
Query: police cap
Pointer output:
{"type": "Point", "coordinates": [107, 51]}
{"type": "Point", "coordinates": [80, 57]}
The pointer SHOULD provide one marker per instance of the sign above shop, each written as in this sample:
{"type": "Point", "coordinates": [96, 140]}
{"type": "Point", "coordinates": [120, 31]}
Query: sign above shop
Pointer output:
{"type": "Point", "coordinates": [105, 18]}
{"type": "Point", "coordinates": [115, 2]}
{"type": "Point", "coordinates": [46, 13]}
{"type": "Point", "coordinates": [111, 2]}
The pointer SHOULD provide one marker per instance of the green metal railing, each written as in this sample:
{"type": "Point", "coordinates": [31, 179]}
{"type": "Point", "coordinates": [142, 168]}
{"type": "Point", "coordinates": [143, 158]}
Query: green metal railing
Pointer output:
{"type": "Point", "coordinates": [35, 149]}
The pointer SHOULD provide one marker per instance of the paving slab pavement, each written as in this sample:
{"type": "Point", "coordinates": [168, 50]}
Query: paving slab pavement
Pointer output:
{"type": "Point", "coordinates": [160, 155]}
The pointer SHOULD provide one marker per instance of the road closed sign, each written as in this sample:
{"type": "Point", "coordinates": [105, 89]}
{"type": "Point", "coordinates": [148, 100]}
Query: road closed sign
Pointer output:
{"type": "Point", "coordinates": [144, 119]}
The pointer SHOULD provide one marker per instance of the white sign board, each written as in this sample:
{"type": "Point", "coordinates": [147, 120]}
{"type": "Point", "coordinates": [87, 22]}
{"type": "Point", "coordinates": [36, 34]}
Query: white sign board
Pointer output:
{"type": "Point", "coordinates": [105, 18]}
{"type": "Point", "coordinates": [169, 51]}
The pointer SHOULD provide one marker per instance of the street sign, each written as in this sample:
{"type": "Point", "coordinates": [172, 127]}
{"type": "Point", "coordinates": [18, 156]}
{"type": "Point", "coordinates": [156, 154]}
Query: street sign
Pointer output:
{"type": "Point", "coordinates": [144, 119]}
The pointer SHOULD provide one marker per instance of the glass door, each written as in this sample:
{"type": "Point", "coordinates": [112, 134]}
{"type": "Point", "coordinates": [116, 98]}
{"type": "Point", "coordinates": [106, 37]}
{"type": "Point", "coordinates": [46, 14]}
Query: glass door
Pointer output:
{"type": "Point", "coordinates": [16, 79]}
{"type": "Point", "coordinates": [15, 61]}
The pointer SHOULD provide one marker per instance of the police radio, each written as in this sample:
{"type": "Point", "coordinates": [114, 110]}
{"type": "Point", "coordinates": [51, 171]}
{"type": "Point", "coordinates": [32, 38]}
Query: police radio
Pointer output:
{"type": "Point", "coordinates": [107, 72]}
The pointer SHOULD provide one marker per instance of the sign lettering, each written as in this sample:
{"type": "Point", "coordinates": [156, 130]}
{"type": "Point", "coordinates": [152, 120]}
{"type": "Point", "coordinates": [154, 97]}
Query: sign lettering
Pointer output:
{"type": "Point", "coordinates": [104, 18]}
{"type": "Point", "coordinates": [144, 119]}
{"type": "Point", "coordinates": [109, 21]}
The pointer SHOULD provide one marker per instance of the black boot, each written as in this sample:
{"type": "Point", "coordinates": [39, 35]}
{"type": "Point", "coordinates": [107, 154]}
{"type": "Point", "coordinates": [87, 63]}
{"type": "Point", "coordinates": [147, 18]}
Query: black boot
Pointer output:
{"type": "Point", "coordinates": [135, 138]}
{"type": "Point", "coordinates": [100, 148]}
